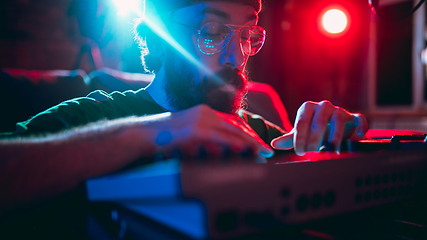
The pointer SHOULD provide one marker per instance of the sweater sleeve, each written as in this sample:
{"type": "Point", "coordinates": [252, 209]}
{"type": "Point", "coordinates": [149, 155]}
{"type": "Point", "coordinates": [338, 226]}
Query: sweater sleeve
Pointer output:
{"type": "Point", "coordinates": [97, 106]}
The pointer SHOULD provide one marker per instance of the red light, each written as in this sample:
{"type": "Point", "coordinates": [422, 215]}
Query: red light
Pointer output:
{"type": "Point", "coordinates": [334, 21]}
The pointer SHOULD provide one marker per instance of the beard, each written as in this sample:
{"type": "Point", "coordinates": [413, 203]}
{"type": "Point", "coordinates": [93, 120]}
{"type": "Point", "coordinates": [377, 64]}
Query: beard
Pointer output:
{"type": "Point", "coordinates": [223, 91]}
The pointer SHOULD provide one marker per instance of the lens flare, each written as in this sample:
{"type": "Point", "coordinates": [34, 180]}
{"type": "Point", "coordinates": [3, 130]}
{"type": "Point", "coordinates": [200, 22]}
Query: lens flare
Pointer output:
{"type": "Point", "coordinates": [334, 21]}
{"type": "Point", "coordinates": [124, 7]}
{"type": "Point", "coordinates": [155, 24]}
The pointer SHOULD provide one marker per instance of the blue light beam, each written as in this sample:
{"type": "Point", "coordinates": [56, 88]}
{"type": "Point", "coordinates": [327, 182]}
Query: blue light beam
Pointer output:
{"type": "Point", "coordinates": [152, 22]}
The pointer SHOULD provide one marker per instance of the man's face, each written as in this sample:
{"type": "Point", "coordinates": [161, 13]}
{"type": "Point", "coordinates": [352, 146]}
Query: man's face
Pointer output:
{"type": "Point", "coordinates": [222, 85]}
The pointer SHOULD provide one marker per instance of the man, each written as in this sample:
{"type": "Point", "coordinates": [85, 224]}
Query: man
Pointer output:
{"type": "Point", "coordinates": [188, 106]}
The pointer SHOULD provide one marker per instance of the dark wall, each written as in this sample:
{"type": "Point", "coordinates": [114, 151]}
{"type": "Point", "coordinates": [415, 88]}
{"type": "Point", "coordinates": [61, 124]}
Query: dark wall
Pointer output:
{"type": "Point", "coordinates": [37, 35]}
{"type": "Point", "coordinates": [303, 63]}
{"type": "Point", "coordinates": [45, 34]}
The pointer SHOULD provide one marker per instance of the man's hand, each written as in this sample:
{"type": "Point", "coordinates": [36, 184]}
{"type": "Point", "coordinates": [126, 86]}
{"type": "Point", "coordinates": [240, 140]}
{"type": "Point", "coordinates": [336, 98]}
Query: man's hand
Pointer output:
{"type": "Point", "coordinates": [203, 127]}
{"type": "Point", "coordinates": [319, 122]}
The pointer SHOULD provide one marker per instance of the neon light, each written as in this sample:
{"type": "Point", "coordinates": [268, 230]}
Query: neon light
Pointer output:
{"type": "Point", "coordinates": [334, 21]}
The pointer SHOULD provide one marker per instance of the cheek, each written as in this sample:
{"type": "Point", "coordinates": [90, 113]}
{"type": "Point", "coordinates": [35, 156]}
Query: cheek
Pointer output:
{"type": "Point", "coordinates": [210, 62]}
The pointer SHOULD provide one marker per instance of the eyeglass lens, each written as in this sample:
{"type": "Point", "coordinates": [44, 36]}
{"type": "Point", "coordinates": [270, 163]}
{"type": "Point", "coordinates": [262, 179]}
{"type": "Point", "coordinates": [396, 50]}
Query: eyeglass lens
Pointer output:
{"type": "Point", "coordinates": [213, 37]}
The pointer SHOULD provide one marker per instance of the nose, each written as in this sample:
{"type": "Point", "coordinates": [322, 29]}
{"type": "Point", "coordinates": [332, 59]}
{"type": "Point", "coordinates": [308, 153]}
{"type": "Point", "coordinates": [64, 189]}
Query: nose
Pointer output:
{"type": "Point", "coordinates": [233, 55]}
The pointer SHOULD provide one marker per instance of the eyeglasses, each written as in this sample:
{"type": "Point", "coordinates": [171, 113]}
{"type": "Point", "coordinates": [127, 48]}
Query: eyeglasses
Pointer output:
{"type": "Point", "coordinates": [214, 36]}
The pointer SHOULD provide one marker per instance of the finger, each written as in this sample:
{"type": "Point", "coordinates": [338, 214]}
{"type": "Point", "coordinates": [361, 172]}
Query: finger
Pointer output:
{"type": "Point", "coordinates": [201, 125]}
{"type": "Point", "coordinates": [284, 142]}
{"type": "Point", "coordinates": [361, 124]}
{"type": "Point", "coordinates": [323, 113]}
{"type": "Point", "coordinates": [190, 144]}
{"type": "Point", "coordinates": [206, 119]}
{"type": "Point", "coordinates": [216, 150]}
{"type": "Point", "coordinates": [233, 126]}
{"type": "Point", "coordinates": [226, 134]}
{"type": "Point", "coordinates": [338, 124]}
{"type": "Point", "coordinates": [242, 142]}
{"type": "Point", "coordinates": [237, 121]}
{"type": "Point", "coordinates": [247, 142]}
{"type": "Point", "coordinates": [301, 128]}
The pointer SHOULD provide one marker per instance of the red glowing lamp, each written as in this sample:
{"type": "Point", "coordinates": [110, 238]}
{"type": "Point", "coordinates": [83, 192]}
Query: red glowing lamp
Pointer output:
{"type": "Point", "coordinates": [334, 21]}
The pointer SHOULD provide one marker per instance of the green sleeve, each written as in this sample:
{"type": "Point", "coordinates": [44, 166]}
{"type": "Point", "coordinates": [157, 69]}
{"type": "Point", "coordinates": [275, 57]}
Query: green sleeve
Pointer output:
{"type": "Point", "coordinates": [96, 106]}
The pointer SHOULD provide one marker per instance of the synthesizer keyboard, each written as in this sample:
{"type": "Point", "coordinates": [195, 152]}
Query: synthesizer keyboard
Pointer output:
{"type": "Point", "coordinates": [213, 199]}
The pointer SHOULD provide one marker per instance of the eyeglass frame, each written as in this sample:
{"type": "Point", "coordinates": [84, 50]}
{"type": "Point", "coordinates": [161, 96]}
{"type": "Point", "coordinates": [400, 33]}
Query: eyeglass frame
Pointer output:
{"type": "Point", "coordinates": [232, 28]}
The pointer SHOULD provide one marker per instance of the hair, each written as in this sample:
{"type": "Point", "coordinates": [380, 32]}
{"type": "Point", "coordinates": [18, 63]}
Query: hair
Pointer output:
{"type": "Point", "coordinates": [145, 38]}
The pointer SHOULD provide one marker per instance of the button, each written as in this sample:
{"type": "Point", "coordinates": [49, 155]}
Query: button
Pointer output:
{"type": "Point", "coordinates": [302, 203]}
{"type": "Point", "coordinates": [393, 192]}
{"type": "Point", "coordinates": [385, 193]}
{"type": "Point", "coordinates": [285, 192]}
{"type": "Point", "coordinates": [359, 182]}
{"type": "Point", "coordinates": [402, 176]}
{"type": "Point", "coordinates": [261, 220]}
{"type": "Point", "coordinates": [358, 198]}
{"type": "Point", "coordinates": [401, 190]}
{"type": "Point", "coordinates": [330, 198]}
{"type": "Point", "coordinates": [377, 179]}
{"type": "Point", "coordinates": [394, 177]}
{"type": "Point", "coordinates": [368, 196]}
{"type": "Point", "coordinates": [227, 221]}
{"type": "Point", "coordinates": [316, 201]}
{"type": "Point", "coordinates": [377, 194]}
{"type": "Point", "coordinates": [386, 178]}
{"type": "Point", "coordinates": [285, 210]}
{"type": "Point", "coordinates": [368, 181]}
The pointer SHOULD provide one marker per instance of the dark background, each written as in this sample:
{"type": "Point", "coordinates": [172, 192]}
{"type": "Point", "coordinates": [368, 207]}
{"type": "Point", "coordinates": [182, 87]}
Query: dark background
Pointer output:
{"type": "Point", "coordinates": [300, 60]}
{"type": "Point", "coordinates": [304, 63]}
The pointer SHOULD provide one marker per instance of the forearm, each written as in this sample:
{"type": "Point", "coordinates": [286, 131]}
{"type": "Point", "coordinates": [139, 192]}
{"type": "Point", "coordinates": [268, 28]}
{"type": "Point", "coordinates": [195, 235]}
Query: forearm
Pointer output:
{"type": "Point", "coordinates": [42, 167]}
